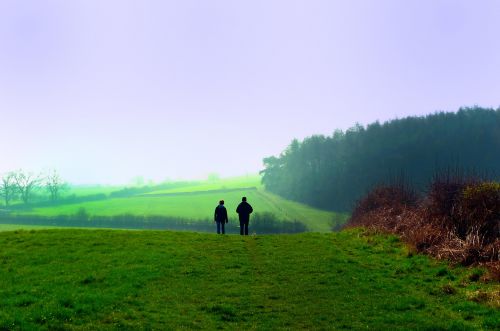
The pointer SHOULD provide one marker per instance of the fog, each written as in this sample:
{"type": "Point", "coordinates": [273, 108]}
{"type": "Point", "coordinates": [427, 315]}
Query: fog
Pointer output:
{"type": "Point", "coordinates": [106, 91]}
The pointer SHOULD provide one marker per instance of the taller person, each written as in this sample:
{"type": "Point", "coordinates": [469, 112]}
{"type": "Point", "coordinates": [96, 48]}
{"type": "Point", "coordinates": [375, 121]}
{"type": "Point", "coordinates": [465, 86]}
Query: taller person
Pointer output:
{"type": "Point", "coordinates": [244, 210]}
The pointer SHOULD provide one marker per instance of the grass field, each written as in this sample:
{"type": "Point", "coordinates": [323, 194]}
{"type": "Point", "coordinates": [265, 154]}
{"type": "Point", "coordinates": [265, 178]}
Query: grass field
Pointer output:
{"type": "Point", "coordinates": [90, 190]}
{"type": "Point", "coordinates": [199, 201]}
{"type": "Point", "coordinates": [103, 280]}
{"type": "Point", "coordinates": [222, 184]}
{"type": "Point", "coordinates": [12, 227]}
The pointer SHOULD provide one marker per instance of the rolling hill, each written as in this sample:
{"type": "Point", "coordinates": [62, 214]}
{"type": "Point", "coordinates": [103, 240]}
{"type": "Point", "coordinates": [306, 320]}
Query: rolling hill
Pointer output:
{"type": "Point", "coordinates": [197, 201]}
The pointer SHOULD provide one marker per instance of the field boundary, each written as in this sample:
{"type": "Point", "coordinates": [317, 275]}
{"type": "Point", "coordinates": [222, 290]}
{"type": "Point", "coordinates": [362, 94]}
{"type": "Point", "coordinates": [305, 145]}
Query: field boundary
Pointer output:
{"type": "Point", "coordinates": [147, 195]}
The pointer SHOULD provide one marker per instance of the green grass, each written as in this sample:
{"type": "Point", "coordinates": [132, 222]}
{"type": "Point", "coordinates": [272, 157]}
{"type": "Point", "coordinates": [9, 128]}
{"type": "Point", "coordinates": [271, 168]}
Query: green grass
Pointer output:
{"type": "Point", "coordinates": [222, 184]}
{"type": "Point", "coordinates": [103, 280]}
{"type": "Point", "coordinates": [23, 227]}
{"type": "Point", "coordinates": [12, 227]}
{"type": "Point", "coordinates": [199, 202]}
{"type": "Point", "coordinates": [91, 190]}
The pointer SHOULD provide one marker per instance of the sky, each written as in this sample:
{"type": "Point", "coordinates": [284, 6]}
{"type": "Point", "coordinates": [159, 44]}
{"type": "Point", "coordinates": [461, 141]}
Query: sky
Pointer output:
{"type": "Point", "coordinates": [104, 91]}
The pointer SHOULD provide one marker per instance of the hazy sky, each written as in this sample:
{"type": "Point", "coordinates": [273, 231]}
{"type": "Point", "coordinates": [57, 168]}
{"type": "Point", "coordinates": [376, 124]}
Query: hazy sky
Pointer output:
{"type": "Point", "coordinates": [105, 90]}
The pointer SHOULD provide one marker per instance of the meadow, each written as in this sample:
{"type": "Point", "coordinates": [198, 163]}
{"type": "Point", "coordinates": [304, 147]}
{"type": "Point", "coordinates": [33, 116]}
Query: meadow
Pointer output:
{"type": "Point", "coordinates": [195, 201]}
{"type": "Point", "coordinates": [112, 279]}
{"type": "Point", "coordinates": [14, 227]}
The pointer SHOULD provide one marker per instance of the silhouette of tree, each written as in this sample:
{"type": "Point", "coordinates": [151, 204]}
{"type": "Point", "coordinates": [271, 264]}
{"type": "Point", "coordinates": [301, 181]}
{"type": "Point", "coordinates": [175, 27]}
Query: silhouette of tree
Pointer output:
{"type": "Point", "coordinates": [26, 183]}
{"type": "Point", "coordinates": [8, 188]}
{"type": "Point", "coordinates": [54, 185]}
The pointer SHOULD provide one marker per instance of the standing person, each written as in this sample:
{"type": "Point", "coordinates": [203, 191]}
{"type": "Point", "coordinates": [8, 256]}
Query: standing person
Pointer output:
{"type": "Point", "coordinates": [244, 210]}
{"type": "Point", "coordinates": [220, 217]}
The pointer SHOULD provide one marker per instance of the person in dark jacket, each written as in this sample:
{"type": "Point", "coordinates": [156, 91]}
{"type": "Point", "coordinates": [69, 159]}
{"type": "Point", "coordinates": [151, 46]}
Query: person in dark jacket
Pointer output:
{"type": "Point", "coordinates": [220, 217]}
{"type": "Point", "coordinates": [244, 210]}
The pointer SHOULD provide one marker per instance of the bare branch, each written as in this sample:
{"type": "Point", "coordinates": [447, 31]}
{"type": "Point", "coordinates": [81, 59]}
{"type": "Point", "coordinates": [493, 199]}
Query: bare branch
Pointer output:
{"type": "Point", "coordinates": [26, 182]}
{"type": "Point", "coordinates": [54, 184]}
{"type": "Point", "coordinates": [8, 188]}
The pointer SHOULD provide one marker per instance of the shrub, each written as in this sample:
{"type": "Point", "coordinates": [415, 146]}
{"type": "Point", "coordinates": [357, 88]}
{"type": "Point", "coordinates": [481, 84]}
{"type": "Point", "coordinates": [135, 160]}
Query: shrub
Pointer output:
{"type": "Point", "coordinates": [442, 196]}
{"type": "Point", "coordinates": [386, 196]}
{"type": "Point", "coordinates": [459, 219]}
{"type": "Point", "coordinates": [393, 200]}
{"type": "Point", "coordinates": [479, 211]}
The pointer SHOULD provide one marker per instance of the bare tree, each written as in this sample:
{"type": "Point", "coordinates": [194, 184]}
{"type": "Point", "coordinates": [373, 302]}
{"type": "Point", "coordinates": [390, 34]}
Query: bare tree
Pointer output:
{"type": "Point", "coordinates": [26, 182]}
{"type": "Point", "coordinates": [54, 184]}
{"type": "Point", "coordinates": [8, 188]}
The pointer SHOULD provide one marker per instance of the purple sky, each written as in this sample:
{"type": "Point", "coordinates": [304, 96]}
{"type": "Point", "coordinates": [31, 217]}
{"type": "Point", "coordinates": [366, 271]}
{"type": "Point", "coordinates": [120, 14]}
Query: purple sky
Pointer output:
{"type": "Point", "coordinates": [107, 90]}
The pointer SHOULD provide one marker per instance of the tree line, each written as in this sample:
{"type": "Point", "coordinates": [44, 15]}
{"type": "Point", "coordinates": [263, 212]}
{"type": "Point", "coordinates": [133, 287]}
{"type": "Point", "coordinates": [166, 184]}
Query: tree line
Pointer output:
{"type": "Point", "coordinates": [332, 172]}
{"type": "Point", "coordinates": [21, 185]}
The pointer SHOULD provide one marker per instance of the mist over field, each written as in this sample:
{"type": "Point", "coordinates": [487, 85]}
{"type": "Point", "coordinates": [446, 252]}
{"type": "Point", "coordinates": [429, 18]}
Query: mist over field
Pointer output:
{"type": "Point", "coordinates": [249, 165]}
{"type": "Point", "coordinates": [107, 91]}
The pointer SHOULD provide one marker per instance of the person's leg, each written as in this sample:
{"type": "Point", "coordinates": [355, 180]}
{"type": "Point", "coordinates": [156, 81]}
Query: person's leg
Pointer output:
{"type": "Point", "coordinates": [242, 225]}
{"type": "Point", "coordinates": [246, 228]}
{"type": "Point", "coordinates": [223, 227]}
{"type": "Point", "coordinates": [218, 227]}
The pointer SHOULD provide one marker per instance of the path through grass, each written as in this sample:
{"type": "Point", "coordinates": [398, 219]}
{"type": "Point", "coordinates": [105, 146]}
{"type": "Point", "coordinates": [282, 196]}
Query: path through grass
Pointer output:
{"type": "Point", "coordinates": [98, 279]}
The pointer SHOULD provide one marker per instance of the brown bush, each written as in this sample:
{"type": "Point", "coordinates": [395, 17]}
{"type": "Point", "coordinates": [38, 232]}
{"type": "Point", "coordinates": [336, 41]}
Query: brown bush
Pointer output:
{"type": "Point", "coordinates": [393, 199]}
{"type": "Point", "coordinates": [458, 220]}
{"type": "Point", "coordinates": [442, 197]}
{"type": "Point", "coordinates": [479, 211]}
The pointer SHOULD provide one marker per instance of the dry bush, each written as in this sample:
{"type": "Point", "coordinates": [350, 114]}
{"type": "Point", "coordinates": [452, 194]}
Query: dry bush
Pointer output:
{"type": "Point", "coordinates": [458, 220]}
{"type": "Point", "coordinates": [492, 298]}
{"type": "Point", "coordinates": [393, 200]}
{"type": "Point", "coordinates": [479, 211]}
{"type": "Point", "coordinates": [442, 197]}
{"type": "Point", "coordinates": [494, 272]}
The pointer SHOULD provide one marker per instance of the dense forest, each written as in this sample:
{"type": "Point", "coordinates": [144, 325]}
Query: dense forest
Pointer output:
{"type": "Point", "coordinates": [332, 172]}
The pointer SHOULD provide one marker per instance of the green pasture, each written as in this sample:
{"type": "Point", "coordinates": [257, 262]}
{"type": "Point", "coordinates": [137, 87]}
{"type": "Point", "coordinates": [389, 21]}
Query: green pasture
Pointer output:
{"type": "Point", "coordinates": [197, 201]}
{"type": "Point", "coordinates": [13, 227]}
{"type": "Point", "coordinates": [192, 186]}
{"type": "Point", "coordinates": [90, 190]}
{"type": "Point", "coordinates": [221, 184]}
{"type": "Point", "coordinates": [152, 280]}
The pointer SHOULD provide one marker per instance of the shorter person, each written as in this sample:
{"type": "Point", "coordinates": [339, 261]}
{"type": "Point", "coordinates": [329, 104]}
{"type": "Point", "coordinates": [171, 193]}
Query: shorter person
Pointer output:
{"type": "Point", "coordinates": [244, 210]}
{"type": "Point", "coordinates": [220, 217]}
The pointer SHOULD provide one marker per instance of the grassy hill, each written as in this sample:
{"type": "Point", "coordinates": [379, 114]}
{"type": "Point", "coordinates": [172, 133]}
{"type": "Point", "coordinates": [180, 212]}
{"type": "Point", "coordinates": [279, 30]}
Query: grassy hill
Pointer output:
{"type": "Point", "coordinates": [102, 279]}
{"type": "Point", "coordinates": [251, 181]}
{"type": "Point", "coordinates": [197, 201]}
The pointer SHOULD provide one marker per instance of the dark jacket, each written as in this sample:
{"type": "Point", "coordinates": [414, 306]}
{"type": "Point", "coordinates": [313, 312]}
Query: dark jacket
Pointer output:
{"type": "Point", "coordinates": [220, 214]}
{"type": "Point", "coordinates": [244, 210]}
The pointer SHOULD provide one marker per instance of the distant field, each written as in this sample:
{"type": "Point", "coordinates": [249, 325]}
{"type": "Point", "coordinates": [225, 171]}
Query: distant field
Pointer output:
{"type": "Point", "coordinates": [199, 201]}
{"type": "Point", "coordinates": [13, 227]}
{"type": "Point", "coordinates": [156, 280]}
{"type": "Point", "coordinates": [91, 190]}
{"type": "Point", "coordinates": [22, 227]}
{"type": "Point", "coordinates": [223, 184]}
